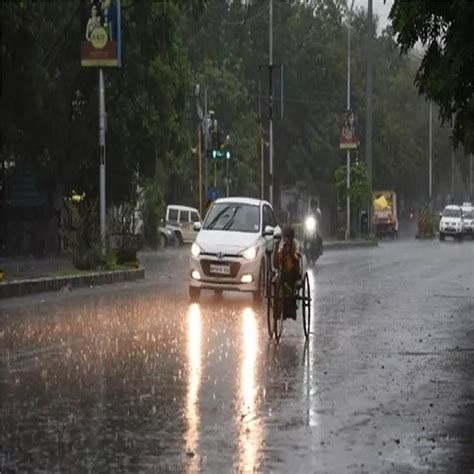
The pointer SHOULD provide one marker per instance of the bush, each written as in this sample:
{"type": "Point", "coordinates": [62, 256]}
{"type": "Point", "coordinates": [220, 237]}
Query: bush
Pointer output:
{"type": "Point", "coordinates": [82, 239]}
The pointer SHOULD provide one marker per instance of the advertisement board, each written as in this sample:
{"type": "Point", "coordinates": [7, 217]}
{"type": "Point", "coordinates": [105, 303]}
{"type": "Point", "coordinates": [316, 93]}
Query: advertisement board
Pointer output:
{"type": "Point", "coordinates": [101, 44]}
{"type": "Point", "coordinates": [348, 139]}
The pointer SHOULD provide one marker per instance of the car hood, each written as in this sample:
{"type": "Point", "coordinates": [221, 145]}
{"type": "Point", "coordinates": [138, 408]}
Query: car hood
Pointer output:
{"type": "Point", "coordinates": [214, 241]}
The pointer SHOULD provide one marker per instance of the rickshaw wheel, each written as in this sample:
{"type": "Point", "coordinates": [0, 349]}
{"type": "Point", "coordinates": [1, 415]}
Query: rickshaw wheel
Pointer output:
{"type": "Point", "coordinates": [306, 305]}
{"type": "Point", "coordinates": [270, 306]}
{"type": "Point", "coordinates": [278, 310]}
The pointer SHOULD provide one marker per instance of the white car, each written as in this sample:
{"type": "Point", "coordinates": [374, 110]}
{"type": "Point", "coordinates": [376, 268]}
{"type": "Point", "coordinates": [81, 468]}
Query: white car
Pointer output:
{"type": "Point", "coordinates": [451, 223]}
{"type": "Point", "coordinates": [232, 247]}
{"type": "Point", "coordinates": [180, 220]}
{"type": "Point", "coordinates": [468, 218]}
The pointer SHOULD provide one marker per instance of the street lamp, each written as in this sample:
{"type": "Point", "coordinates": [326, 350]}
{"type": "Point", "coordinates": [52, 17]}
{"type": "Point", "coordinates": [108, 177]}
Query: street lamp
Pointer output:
{"type": "Point", "coordinates": [348, 161]}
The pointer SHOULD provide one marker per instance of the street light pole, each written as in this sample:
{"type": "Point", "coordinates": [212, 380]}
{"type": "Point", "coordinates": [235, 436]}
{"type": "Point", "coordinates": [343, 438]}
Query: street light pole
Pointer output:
{"type": "Point", "coordinates": [270, 104]}
{"type": "Point", "coordinates": [471, 196]}
{"type": "Point", "coordinates": [430, 183]}
{"type": "Point", "coordinates": [102, 126]}
{"type": "Point", "coordinates": [348, 160]}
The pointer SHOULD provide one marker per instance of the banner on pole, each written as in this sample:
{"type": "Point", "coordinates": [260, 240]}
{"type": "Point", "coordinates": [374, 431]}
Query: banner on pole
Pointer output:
{"type": "Point", "coordinates": [101, 39]}
{"type": "Point", "coordinates": [348, 139]}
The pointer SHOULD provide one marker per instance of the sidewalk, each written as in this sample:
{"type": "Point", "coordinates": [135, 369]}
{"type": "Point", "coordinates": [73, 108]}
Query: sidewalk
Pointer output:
{"type": "Point", "coordinates": [29, 275]}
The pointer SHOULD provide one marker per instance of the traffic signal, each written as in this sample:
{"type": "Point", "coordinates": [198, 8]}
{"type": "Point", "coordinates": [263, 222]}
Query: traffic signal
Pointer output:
{"type": "Point", "coordinates": [217, 153]}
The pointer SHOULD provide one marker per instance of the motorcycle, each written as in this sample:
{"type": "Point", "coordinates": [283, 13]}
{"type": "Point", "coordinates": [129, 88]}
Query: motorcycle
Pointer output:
{"type": "Point", "coordinates": [313, 242]}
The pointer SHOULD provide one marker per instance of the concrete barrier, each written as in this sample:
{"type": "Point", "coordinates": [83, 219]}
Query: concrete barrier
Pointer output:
{"type": "Point", "coordinates": [15, 288]}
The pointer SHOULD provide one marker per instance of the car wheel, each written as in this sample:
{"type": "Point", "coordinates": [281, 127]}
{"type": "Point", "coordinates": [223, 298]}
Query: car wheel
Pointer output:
{"type": "Point", "coordinates": [179, 238]}
{"type": "Point", "coordinates": [259, 294]}
{"type": "Point", "coordinates": [460, 237]}
{"type": "Point", "coordinates": [163, 241]}
{"type": "Point", "coordinates": [194, 293]}
{"type": "Point", "coordinates": [441, 236]}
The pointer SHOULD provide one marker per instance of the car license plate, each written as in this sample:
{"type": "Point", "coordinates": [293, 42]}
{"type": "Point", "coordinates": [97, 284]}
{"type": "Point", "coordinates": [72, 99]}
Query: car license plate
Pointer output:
{"type": "Point", "coordinates": [220, 269]}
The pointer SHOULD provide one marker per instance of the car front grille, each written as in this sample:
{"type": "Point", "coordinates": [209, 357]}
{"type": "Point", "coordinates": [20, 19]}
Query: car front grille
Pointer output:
{"type": "Point", "coordinates": [206, 265]}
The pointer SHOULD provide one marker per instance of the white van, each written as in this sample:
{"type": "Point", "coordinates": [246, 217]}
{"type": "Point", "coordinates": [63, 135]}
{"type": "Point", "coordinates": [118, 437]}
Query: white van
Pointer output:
{"type": "Point", "coordinates": [180, 220]}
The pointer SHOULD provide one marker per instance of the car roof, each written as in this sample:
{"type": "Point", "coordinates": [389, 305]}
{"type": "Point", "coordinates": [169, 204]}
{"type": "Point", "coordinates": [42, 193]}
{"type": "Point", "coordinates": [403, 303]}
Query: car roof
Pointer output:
{"type": "Point", "coordinates": [242, 200]}
{"type": "Point", "coordinates": [182, 208]}
{"type": "Point", "coordinates": [453, 206]}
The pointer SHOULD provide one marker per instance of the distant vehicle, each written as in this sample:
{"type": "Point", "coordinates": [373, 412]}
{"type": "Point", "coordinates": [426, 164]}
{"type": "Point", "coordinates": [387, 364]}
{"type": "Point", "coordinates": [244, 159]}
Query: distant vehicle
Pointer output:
{"type": "Point", "coordinates": [180, 220]}
{"type": "Point", "coordinates": [451, 223]}
{"type": "Point", "coordinates": [231, 251]}
{"type": "Point", "coordinates": [385, 219]}
{"type": "Point", "coordinates": [468, 217]}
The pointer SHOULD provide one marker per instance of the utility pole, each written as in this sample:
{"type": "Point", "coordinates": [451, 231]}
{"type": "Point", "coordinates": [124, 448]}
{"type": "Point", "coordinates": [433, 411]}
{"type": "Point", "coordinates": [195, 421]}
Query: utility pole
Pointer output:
{"type": "Point", "coordinates": [206, 134]}
{"type": "Point", "coordinates": [348, 159]}
{"type": "Point", "coordinates": [200, 168]}
{"type": "Point", "coordinates": [430, 182]}
{"type": "Point", "coordinates": [452, 168]}
{"type": "Point", "coordinates": [270, 103]}
{"type": "Point", "coordinates": [368, 108]}
{"type": "Point", "coordinates": [102, 131]}
{"type": "Point", "coordinates": [471, 195]}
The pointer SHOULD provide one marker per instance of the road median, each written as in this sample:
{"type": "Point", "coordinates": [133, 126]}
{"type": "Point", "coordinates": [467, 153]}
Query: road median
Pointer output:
{"type": "Point", "coordinates": [23, 287]}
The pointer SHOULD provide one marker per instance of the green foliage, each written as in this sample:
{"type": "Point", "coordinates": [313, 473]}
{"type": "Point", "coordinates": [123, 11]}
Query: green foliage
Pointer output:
{"type": "Point", "coordinates": [445, 73]}
{"type": "Point", "coordinates": [82, 240]}
{"type": "Point", "coordinates": [360, 188]}
{"type": "Point", "coordinates": [152, 211]}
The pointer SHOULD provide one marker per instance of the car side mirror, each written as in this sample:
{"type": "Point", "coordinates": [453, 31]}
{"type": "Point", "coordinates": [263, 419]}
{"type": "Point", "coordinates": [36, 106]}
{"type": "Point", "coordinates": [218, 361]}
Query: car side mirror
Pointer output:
{"type": "Point", "coordinates": [440, 214]}
{"type": "Point", "coordinates": [197, 226]}
{"type": "Point", "coordinates": [277, 233]}
{"type": "Point", "coordinates": [269, 230]}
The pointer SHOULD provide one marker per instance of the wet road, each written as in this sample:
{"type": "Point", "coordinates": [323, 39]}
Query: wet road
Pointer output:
{"type": "Point", "coordinates": [131, 377]}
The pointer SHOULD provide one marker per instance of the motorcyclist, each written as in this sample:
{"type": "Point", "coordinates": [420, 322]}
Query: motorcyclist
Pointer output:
{"type": "Point", "coordinates": [313, 224]}
{"type": "Point", "coordinates": [288, 260]}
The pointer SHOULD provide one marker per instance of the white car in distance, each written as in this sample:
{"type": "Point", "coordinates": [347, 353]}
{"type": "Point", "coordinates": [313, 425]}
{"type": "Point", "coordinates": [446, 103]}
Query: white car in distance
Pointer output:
{"type": "Point", "coordinates": [451, 223]}
{"type": "Point", "coordinates": [232, 248]}
{"type": "Point", "coordinates": [468, 217]}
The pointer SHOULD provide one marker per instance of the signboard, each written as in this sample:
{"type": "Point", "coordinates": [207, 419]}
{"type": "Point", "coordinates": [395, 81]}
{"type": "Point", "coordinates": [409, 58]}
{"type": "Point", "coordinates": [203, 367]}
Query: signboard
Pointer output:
{"type": "Point", "coordinates": [101, 44]}
{"type": "Point", "coordinates": [348, 136]}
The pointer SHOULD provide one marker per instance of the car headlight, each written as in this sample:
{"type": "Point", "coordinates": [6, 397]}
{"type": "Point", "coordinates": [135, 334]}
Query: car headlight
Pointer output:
{"type": "Point", "coordinates": [250, 253]}
{"type": "Point", "coordinates": [195, 250]}
{"type": "Point", "coordinates": [310, 224]}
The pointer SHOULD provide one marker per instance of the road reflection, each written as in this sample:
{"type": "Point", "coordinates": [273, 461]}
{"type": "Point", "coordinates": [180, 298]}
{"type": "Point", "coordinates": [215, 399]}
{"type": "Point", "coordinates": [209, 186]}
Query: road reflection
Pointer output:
{"type": "Point", "coordinates": [251, 429]}
{"type": "Point", "coordinates": [194, 381]}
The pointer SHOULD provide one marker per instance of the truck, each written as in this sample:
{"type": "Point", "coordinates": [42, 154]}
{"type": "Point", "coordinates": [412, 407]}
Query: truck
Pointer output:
{"type": "Point", "coordinates": [384, 213]}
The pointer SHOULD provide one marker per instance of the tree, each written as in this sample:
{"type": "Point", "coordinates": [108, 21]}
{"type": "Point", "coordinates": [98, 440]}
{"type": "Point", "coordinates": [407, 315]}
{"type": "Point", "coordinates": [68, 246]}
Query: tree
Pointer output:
{"type": "Point", "coordinates": [446, 71]}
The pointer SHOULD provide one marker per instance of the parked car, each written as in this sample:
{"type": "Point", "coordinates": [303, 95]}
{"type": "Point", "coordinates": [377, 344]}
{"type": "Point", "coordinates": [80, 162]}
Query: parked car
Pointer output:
{"type": "Point", "coordinates": [232, 248]}
{"type": "Point", "coordinates": [468, 217]}
{"type": "Point", "coordinates": [451, 223]}
{"type": "Point", "coordinates": [180, 220]}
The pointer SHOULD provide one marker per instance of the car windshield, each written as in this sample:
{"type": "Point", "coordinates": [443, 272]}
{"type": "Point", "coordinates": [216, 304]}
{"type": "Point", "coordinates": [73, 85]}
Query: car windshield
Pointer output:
{"type": "Point", "coordinates": [452, 213]}
{"type": "Point", "coordinates": [469, 214]}
{"type": "Point", "coordinates": [236, 217]}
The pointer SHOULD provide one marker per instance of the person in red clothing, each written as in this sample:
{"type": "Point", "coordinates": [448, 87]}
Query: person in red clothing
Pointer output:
{"type": "Point", "coordinates": [288, 261]}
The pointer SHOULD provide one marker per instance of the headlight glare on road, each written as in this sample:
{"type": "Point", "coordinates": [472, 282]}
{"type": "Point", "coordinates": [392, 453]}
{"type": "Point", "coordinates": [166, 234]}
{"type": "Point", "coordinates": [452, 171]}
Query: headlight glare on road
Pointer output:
{"type": "Point", "coordinates": [310, 224]}
{"type": "Point", "coordinates": [250, 253]}
{"type": "Point", "coordinates": [195, 250]}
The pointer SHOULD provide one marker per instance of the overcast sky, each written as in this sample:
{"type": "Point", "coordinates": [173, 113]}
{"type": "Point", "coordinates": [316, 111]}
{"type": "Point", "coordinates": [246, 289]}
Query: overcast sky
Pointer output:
{"type": "Point", "coordinates": [381, 9]}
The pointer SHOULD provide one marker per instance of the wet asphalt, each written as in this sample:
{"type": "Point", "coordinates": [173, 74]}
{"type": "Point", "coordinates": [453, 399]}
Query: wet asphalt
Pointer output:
{"type": "Point", "coordinates": [133, 378]}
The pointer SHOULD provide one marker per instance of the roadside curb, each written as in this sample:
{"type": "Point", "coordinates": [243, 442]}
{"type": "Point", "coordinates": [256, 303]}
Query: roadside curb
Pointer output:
{"type": "Point", "coordinates": [343, 245]}
{"type": "Point", "coordinates": [17, 288]}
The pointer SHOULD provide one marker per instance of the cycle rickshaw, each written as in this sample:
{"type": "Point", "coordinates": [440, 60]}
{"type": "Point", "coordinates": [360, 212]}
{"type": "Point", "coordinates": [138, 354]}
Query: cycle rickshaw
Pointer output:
{"type": "Point", "coordinates": [278, 301]}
